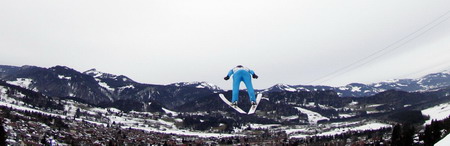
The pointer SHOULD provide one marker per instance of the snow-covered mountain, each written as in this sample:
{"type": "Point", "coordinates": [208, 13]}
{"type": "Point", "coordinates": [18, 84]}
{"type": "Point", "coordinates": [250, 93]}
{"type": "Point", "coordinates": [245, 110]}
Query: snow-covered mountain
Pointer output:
{"type": "Point", "coordinates": [193, 108]}
{"type": "Point", "coordinates": [429, 82]}
{"type": "Point", "coordinates": [97, 87]}
{"type": "Point", "coordinates": [107, 76]}
{"type": "Point", "coordinates": [203, 85]}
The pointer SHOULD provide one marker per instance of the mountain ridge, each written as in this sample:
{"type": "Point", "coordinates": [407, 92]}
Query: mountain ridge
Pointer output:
{"type": "Point", "coordinates": [433, 81]}
{"type": "Point", "coordinates": [113, 85]}
{"type": "Point", "coordinates": [194, 107]}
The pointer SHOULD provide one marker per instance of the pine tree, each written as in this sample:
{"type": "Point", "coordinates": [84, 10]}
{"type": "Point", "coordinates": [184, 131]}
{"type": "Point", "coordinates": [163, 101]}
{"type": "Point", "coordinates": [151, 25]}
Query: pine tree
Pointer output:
{"type": "Point", "coordinates": [408, 135]}
{"type": "Point", "coordinates": [44, 140]}
{"type": "Point", "coordinates": [427, 135]}
{"type": "Point", "coordinates": [3, 135]}
{"type": "Point", "coordinates": [77, 113]}
{"type": "Point", "coordinates": [436, 128]}
{"type": "Point", "coordinates": [396, 135]}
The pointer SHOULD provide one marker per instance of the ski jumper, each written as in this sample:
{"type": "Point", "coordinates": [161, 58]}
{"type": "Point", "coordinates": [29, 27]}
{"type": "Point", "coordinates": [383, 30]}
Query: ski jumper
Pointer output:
{"type": "Point", "coordinates": [242, 74]}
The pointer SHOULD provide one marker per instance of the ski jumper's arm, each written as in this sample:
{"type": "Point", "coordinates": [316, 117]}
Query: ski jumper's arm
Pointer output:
{"type": "Point", "coordinates": [231, 72]}
{"type": "Point", "coordinates": [251, 72]}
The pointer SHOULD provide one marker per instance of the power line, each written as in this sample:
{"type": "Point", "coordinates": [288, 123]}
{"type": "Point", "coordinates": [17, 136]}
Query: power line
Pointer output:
{"type": "Point", "coordinates": [401, 45]}
{"type": "Point", "coordinates": [336, 73]}
{"type": "Point", "coordinates": [446, 63]}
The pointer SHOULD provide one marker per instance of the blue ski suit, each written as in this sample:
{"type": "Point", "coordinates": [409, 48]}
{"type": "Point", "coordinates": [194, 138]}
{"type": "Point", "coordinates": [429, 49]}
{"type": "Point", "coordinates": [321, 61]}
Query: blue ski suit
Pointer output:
{"type": "Point", "coordinates": [242, 74]}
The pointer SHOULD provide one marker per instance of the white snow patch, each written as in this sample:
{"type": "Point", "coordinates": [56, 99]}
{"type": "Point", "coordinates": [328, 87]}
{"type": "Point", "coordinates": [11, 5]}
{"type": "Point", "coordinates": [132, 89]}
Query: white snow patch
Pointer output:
{"type": "Point", "coordinates": [346, 115]}
{"type": "Point", "coordinates": [313, 117]}
{"type": "Point", "coordinates": [289, 117]}
{"type": "Point", "coordinates": [170, 124]}
{"type": "Point", "coordinates": [373, 112]}
{"type": "Point", "coordinates": [198, 85]}
{"type": "Point", "coordinates": [114, 110]}
{"type": "Point", "coordinates": [401, 85]}
{"type": "Point", "coordinates": [129, 86]}
{"type": "Point", "coordinates": [21, 82]}
{"type": "Point", "coordinates": [179, 120]}
{"type": "Point", "coordinates": [263, 126]}
{"type": "Point", "coordinates": [106, 86]}
{"type": "Point", "coordinates": [392, 81]}
{"type": "Point", "coordinates": [95, 72]}
{"type": "Point", "coordinates": [290, 89]}
{"type": "Point", "coordinates": [377, 85]}
{"type": "Point", "coordinates": [374, 105]}
{"type": "Point", "coordinates": [3, 90]}
{"type": "Point", "coordinates": [444, 142]}
{"type": "Point", "coordinates": [290, 131]}
{"type": "Point", "coordinates": [285, 87]}
{"type": "Point", "coordinates": [353, 103]}
{"type": "Point", "coordinates": [203, 85]}
{"type": "Point", "coordinates": [300, 136]}
{"type": "Point", "coordinates": [370, 126]}
{"type": "Point", "coordinates": [64, 77]}
{"type": "Point", "coordinates": [21, 108]}
{"type": "Point", "coordinates": [303, 89]}
{"type": "Point", "coordinates": [343, 88]}
{"type": "Point", "coordinates": [170, 112]}
{"type": "Point", "coordinates": [438, 112]}
{"type": "Point", "coordinates": [187, 133]}
{"type": "Point", "coordinates": [356, 89]}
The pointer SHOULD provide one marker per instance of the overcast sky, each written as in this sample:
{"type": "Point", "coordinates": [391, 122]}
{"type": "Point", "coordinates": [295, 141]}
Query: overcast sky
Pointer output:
{"type": "Point", "coordinates": [289, 41]}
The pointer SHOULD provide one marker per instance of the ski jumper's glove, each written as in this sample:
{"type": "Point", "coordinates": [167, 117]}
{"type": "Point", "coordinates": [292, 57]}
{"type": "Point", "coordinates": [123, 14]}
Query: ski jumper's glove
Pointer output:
{"type": "Point", "coordinates": [226, 78]}
{"type": "Point", "coordinates": [255, 76]}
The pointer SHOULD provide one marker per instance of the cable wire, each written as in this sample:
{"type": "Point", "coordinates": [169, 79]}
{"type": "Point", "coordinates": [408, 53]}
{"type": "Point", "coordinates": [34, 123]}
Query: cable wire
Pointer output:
{"type": "Point", "coordinates": [336, 73]}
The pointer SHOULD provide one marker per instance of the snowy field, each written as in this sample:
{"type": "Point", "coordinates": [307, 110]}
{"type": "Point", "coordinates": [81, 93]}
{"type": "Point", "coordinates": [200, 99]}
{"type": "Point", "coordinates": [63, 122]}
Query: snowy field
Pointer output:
{"type": "Point", "coordinates": [341, 129]}
{"type": "Point", "coordinates": [438, 112]}
{"type": "Point", "coordinates": [169, 127]}
{"type": "Point", "coordinates": [444, 142]}
{"type": "Point", "coordinates": [167, 124]}
{"type": "Point", "coordinates": [313, 117]}
{"type": "Point", "coordinates": [126, 120]}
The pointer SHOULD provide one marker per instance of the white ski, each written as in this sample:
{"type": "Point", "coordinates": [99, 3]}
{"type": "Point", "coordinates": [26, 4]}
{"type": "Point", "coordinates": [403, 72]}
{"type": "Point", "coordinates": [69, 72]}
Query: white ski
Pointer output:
{"type": "Point", "coordinates": [253, 107]}
{"type": "Point", "coordinates": [229, 103]}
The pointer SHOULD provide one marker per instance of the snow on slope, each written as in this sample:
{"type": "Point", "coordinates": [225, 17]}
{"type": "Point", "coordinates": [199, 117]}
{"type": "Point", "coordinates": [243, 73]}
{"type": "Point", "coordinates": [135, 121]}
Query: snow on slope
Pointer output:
{"type": "Point", "coordinates": [126, 120]}
{"type": "Point", "coordinates": [130, 122]}
{"type": "Point", "coordinates": [340, 129]}
{"type": "Point", "coordinates": [198, 85]}
{"type": "Point", "coordinates": [369, 126]}
{"type": "Point", "coordinates": [170, 112]}
{"type": "Point", "coordinates": [263, 126]}
{"type": "Point", "coordinates": [187, 133]}
{"type": "Point", "coordinates": [22, 82]}
{"type": "Point", "coordinates": [313, 117]}
{"type": "Point", "coordinates": [285, 87]}
{"type": "Point", "coordinates": [94, 73]}
{"type": "Point", "coordinates": [444, 142]}
{"type": "Point", "coordinates": [64, 77]}
{"type": "Point", "coordinates": [438, 112]}
{"type": "Point", "coordinates": [106, 86]}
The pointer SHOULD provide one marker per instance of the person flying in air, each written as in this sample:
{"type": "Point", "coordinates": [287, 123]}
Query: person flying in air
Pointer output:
{"type": "Point", "coordinates": [241, 73]}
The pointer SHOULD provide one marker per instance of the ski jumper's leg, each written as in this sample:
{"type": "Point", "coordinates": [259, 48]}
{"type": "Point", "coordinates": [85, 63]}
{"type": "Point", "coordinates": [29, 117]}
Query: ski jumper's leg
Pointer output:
{"type": "Point", "coordinates": [248, 83]}
{"type": "Point", "coordinates": [236, 83]}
